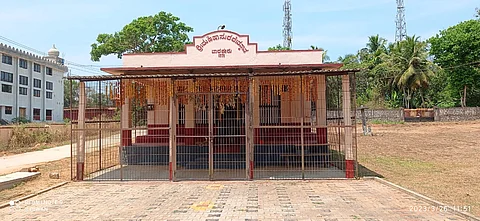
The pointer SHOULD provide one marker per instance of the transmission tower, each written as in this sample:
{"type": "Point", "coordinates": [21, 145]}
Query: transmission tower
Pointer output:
{"type": "Point", "coordinates": [287, 24]}
{"type": "Point", "coordinates": [401, 32]}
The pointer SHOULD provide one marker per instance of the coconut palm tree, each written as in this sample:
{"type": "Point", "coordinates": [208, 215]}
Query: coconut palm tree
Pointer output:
{"type": "Point", "coordinates": [376, 46]}
{"type": "Point", "coordinates": [410, 59]}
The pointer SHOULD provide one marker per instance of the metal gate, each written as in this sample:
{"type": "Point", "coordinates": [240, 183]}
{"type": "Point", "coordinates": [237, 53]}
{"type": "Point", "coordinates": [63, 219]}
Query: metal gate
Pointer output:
{"type": "Point", "coordinates": [211, 144]}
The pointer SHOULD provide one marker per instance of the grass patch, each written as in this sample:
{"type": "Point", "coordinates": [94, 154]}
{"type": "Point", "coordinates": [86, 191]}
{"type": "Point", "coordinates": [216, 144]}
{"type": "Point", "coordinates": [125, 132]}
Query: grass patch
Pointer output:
{"type": "Point", "coordinates": [376, 121]}
{"type": "Point", "coordinates": [403, 163]}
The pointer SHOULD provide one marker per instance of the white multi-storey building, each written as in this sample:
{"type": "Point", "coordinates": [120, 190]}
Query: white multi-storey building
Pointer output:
{"type": "Point", "coordinates": [31, 85]}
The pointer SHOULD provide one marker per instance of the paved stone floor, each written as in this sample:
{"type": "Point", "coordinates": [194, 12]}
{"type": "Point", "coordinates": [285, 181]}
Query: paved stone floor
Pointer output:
{"type": "Point", "coordinates": [256, 200]}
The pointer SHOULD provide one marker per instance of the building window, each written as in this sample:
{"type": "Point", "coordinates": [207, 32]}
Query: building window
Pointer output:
{"type": "Point", "coordinates": [23, 91]}
{"type": "Point", "coordinates": [6, 88]}
{"type": "Point", "coordinates": [49, 95]}
{"type": "Point", "coordinates": [37, 83]}
{"type": "Point", "coordinates": [36, 67]}
{"type": "Point", "coordinates": [48, 71]}
{"type": "Point", "coordinates": [36, 114]}
{"type": "Point", "coordinates": [22, 112]}
{"type": "Point", "coordinates": [23, 63]}
{"type": "Point", "coordinates": [49, 85]}
{"type": "Point", "coordinates": [36, 93]}
{"type": "Point", "coordinates": [48, 114]}
{"type": "Point", "coordinates": [23, 80]}
{"type": "Point", "coordinates": [6, 59]}
{"type": "Point", "coordinates": [7, 77]}
{"type": "Point", "coordinates": [8, 110]}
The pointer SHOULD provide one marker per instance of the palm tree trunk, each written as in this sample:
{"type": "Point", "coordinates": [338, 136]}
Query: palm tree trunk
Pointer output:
{"type": "Point", "coordinates": [408, 98]}
{"type": "Point", "coordinates": [464, 99]}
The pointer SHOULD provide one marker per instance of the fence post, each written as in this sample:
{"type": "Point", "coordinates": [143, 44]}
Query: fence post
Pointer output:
{"type": "Point", "coordinates": [81, 132]}
{"type": "Point", "coordinates": [364, 119]}
{"type": "Point", "coordinates": [250, 144]}
{"type": "Point", "coordinates": [402, 114]}
{"type": "Point", "coordinates": [173, 132]}
{"type": "Point", "coordinates": [436, 114]}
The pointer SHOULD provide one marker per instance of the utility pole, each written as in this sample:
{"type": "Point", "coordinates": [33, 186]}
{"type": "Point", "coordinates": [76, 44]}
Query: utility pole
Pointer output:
{"type": "Point", "coordinates": [401, 32]}
{"type": "Point", "coordinates": [287, 24]}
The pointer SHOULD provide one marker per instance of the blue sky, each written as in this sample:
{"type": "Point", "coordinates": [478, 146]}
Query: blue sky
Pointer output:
{"type": "Point", "coordinates": [340, 26]}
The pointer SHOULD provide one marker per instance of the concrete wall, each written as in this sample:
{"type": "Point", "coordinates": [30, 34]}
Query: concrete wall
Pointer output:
{"type": "Point", "coordinates": [440, 114]}
{"type": "Point", "coordinates": [382, 114]}
{"type": "Point", "coordinates": [457, 114]}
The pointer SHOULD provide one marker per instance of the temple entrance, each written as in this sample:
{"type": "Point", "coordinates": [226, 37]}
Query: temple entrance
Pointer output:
{"type": "Point", "coordinates": [211, 143]}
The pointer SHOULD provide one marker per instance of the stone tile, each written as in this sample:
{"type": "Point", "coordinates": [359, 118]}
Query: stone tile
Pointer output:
{"type": "Point", "coordinates": [249, 200]}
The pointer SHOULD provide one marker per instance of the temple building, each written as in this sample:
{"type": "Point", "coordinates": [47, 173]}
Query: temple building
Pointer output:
{"type": "Point", "coordinates": [221, 109]}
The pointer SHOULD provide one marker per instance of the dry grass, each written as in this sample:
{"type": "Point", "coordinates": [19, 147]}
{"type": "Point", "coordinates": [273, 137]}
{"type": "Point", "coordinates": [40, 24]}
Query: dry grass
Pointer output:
{"type": "Point", "coordinates": [439, 160]}
{"type": "Point", "coordinates": [35, 136]}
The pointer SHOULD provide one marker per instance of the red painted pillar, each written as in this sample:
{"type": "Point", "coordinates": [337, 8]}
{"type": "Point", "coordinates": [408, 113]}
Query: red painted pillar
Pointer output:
{"type": "Point", "coordinates": [126, 136]}
{"type": "Point", "coordinates": [348, 128]}
{"type": "Point", "coordinates": [349, 168]}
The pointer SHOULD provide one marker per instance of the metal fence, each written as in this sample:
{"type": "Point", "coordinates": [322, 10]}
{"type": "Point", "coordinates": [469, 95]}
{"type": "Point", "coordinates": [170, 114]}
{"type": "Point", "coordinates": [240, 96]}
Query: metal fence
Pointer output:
{"type": "Point", "coordinates": [223, 128]}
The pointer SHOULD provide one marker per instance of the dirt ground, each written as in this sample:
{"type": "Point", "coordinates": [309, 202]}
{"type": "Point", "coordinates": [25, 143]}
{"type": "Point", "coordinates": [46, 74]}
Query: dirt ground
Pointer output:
{"type": "Point", "coordinates": [39, 183]}
{"type": "Point", "coordinates": [439, 160]}
{"type": "Point", "coordinates": [109, 156]}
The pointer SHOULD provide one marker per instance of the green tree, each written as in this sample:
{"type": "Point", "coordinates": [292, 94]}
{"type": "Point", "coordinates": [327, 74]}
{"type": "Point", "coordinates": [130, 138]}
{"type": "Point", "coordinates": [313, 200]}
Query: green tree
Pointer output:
{"type": "Point", "coordinates": [279, 47]}
{"type": "Point", "coordinates": [71, 93]}
{"type": "Point", "coordinates": [457, 50]}
{"type": "Point", "coordinates": [412, 69]}
{"type": "Point", "coordinates": [162, 32]}
{"type": "Point", "coordinates": [97, 97]}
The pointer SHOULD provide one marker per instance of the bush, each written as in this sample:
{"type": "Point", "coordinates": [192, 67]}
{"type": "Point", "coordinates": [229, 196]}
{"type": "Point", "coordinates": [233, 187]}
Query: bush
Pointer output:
{"type": "Point", "coordinates": [23, 137]}
{"type": "Point", "coordinates": [20, 138]}
{"type": "Point", "coordinates": [20, 120]}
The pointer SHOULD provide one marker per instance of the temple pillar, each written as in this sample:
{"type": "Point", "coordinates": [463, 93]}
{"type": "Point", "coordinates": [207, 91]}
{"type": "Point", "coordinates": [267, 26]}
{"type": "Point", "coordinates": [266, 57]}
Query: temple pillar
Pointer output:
{"type": "Point", "coordinates": [321, 110]}
{"type": "Point", "coordinates": [126, 123]}
{"type": "Point", "coordinates": [347, 118]}
{"type": "Point", "coordinates": [190, 114]}
{"type": "Point", "coordinates": [256, 103]}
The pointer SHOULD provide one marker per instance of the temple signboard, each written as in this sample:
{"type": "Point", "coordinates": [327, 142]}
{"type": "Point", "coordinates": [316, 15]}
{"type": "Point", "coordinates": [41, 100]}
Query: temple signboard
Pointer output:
{"type": "Point", "coordinates": [221, 52]}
